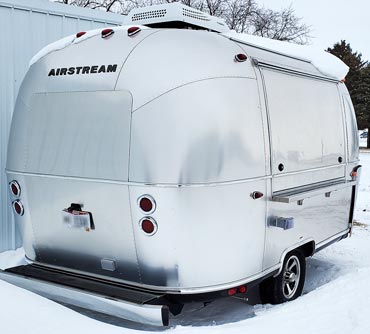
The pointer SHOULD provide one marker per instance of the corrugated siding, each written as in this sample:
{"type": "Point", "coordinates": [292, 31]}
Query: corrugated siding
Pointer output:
{"type": "Point", "coordinates": [26, 26]}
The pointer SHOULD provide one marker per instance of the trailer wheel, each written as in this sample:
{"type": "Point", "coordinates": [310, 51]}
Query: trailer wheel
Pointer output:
{"type": "Point", "coordinates": [288, 285]}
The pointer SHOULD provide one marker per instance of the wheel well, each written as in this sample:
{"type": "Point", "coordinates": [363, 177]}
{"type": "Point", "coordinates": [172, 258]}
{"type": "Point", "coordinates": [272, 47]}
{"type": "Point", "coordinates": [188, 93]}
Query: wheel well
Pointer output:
{"type": "Point", "coordinates": [308, 249]}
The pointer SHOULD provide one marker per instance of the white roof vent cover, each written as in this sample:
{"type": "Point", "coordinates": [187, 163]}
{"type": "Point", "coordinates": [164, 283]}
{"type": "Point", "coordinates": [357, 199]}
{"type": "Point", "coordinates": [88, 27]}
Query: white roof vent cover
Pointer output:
{"type": "Point", "coordinates": [163, 15]}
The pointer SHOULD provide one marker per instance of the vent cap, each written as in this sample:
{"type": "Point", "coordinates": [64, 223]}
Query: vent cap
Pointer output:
{"type": "Point", "coordinates": [175, 15]}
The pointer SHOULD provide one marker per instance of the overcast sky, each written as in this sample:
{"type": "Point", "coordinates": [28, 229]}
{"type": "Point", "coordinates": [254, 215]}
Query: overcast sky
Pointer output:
{"type": "Point", "coordinates": [333, 20]}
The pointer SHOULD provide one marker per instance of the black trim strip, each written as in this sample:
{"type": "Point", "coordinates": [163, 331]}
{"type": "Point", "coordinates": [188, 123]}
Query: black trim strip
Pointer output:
{"type": "Point", "coordinates": [330, 243]}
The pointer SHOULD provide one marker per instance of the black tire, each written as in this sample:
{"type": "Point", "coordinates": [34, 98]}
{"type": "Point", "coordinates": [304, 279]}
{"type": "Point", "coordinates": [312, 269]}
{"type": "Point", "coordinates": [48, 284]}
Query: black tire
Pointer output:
{"type": "Point", "coordinates": [288, 285]}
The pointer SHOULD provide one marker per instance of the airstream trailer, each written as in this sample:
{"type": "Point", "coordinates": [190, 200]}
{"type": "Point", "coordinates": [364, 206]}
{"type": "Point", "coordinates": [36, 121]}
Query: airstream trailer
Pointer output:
{"type": "Point", "coordinates": [150, 165]}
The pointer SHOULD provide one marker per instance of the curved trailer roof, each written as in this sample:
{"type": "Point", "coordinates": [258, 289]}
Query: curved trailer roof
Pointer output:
{"type": "Point", "coordinates": [301, 58]}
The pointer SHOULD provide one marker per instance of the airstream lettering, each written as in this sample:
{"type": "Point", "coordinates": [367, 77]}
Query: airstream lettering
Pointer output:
{"type": "Point", "coordinates": [83, 70]}
{"type": "Point", "coordinates": [202, 163]}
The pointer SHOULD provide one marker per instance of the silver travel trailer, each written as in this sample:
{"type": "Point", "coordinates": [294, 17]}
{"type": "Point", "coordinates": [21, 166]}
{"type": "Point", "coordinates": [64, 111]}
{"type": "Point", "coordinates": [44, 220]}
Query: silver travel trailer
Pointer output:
{"type": "Point", "coordinates": [149, 166]}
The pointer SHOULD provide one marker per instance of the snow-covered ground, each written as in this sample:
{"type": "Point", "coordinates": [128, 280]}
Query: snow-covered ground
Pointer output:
{"type": "Point", "coordinates": [336, 298]}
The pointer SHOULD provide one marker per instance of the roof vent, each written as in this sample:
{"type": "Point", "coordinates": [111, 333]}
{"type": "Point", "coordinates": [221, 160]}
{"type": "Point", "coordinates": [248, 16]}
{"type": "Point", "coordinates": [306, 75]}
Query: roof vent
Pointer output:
{"type": "Point", "coordinates": [175, 15]}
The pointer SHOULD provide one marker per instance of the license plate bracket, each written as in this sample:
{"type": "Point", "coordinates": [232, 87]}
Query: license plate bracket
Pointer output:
{"type": "Point", "coordinates": [74, 217]}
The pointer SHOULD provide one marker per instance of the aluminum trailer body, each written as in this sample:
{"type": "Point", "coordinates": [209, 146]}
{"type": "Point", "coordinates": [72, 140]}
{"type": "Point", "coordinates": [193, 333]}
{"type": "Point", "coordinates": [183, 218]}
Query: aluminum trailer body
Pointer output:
{"type": "Point", "coordinates": [166, 161]}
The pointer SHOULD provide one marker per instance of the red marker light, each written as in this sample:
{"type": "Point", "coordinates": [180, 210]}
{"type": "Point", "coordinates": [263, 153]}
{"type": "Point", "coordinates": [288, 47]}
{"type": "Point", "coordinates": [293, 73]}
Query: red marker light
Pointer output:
{"type": "Point", "coordinates": [133, 31]}
{"type": "Point", "coordinates": [80, 34]}
{"type": "Point", "coordinates": [107, 32]}
{"type": "Point", "coordinates": [232, 292]}
{"type": "Point", "coordinates": [240, 57]}
{"type": "Point", "coordinates": [256, 194]}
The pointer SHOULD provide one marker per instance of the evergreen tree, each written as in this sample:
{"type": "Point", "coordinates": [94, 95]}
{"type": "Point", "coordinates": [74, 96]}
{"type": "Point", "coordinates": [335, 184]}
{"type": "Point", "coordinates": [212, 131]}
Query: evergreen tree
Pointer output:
{"type": "Point", "coordinates": [357, 82]}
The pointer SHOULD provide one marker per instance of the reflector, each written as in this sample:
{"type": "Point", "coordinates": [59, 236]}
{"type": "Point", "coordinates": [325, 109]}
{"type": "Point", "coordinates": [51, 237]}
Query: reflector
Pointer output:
{"type": "Point", "coordinates": [148, 225]}
{"type": "Point", "coordinates": [147, 204]}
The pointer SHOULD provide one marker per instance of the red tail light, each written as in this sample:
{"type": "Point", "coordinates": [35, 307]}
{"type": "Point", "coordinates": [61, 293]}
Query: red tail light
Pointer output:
{"type": "Point", "coordinates": [242, 289]}
{"type": "Point", "coordinates": [133, 31]}
{"type": "Point", "coordinates": [148, 225]}
{"type": "Point", "coordinates": [15, 188]}
{"type": "Point", "coordinates": [18, 207]}
{"type": "Point", "coordinates": [147, 204]}
{"type": "Point", "coordinates": [107, 32]}
{"type": "Point", "coordinates": [80, 34]}
{"type": "Point", "coordinates": [232, 292]}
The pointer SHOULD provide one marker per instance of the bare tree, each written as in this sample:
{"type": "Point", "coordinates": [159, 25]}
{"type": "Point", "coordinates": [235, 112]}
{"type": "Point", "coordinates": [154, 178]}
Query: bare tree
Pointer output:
{"type": "Point", "coordinates": [240, 15]}
{"type": "Point", "coordinates": [283, 25]}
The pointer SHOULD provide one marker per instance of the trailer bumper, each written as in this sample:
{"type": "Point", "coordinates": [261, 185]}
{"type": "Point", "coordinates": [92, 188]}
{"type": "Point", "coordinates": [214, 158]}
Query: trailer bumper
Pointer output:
{"type": "Point", "coordinates": [134, 308]}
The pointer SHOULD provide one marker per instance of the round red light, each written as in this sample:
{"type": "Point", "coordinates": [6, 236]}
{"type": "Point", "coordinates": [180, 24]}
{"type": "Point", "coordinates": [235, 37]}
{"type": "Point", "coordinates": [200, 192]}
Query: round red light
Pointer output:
{"type": "Point", "coordinates": [133, 31]}
{"type": "Point", "coordinates": [80, 34]}
{"type": "Point", "coordinates": [146, 204]}
{"type": "Point", "coordinates": [232, 291]}
{"type": "Point", "coordinates": [107, 32]}
{"type": "Point", "coordinates": [148, 225]}
{"type": "Point", "coordinates": [18, 207]}
{"type": "Point", "coordinates": [242, 289]}
{"type": "Point", "coordinates": [241, 57]}
{"type": "Point", "coordinates": [15, 188]}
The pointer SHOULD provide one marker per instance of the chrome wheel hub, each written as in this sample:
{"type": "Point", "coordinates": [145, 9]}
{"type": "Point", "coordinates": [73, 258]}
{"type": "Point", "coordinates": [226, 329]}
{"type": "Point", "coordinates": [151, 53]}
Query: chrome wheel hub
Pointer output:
{"type": "Point", "coordinates": [291, 277]}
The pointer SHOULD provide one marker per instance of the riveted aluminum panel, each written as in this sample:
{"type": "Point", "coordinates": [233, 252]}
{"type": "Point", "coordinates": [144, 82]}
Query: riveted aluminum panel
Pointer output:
{"type": "Point", "coordinates": [50, 241]}
{"type": "Point", "coordinates": [306, 128]}
{"type": "Point", "coordinates": [80, 134]}
{"type": "Point", "coordinates": [171, 58]}
{"type": "Point", "coordinates": [208, 131]}
{"type": "Point", "coordinates": [106, 55]}
{"type": "Point", "coordinates": [351, 126]}
{"type": "Point", "coordinates": [207, 235]}
{"type": "Point", "coordinates": [28, 26]}
{"type": "Point", "coordinates": [279, 60]}
{"type": "Point", "coordinates": [318, 218]}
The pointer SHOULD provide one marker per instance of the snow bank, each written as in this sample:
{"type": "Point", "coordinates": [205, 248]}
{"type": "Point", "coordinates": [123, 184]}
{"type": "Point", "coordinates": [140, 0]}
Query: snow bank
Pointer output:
{"type": "Point", "coordinates": [12, 258]}
{"type": "Point", "coordinates": [22, 312]}
{"type": "Point", "coordinates": [72, 39]}
{"type": "Point", "coordinates": [325, 62]}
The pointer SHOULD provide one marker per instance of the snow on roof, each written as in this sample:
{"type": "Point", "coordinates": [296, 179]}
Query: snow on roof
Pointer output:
{"type": "Point", "coordinates": [72, 39]}
{"type": "Point", "coordinates": [325, 62]}
{"type": "Point", "coordinates": [328, 64]}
